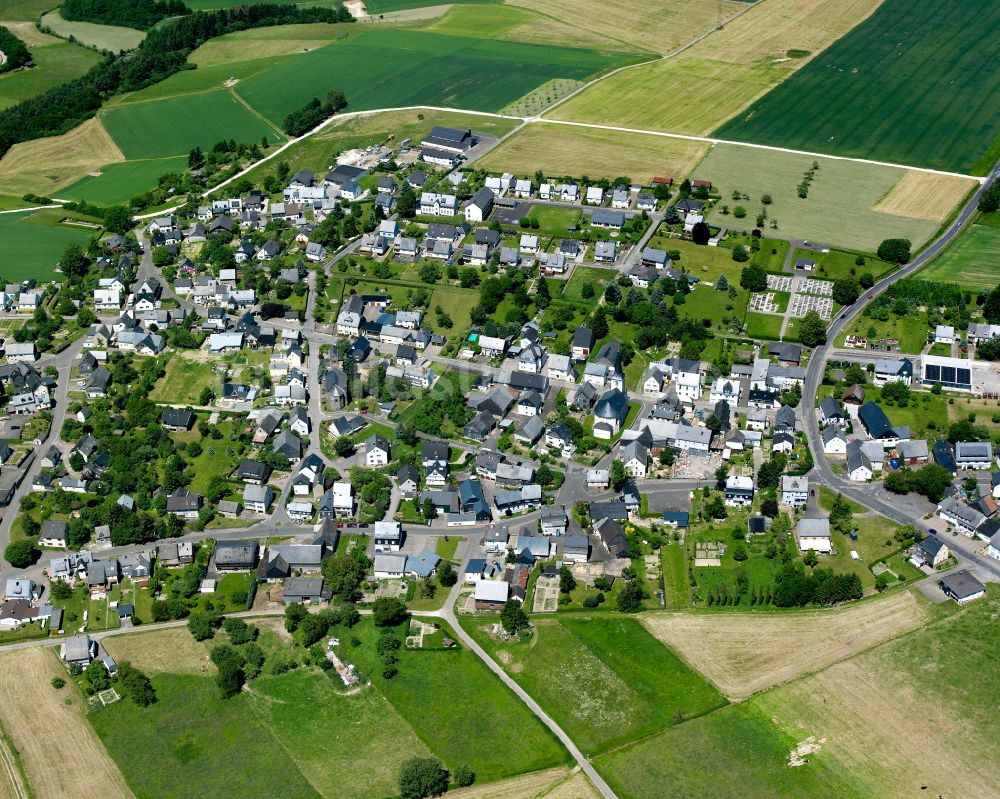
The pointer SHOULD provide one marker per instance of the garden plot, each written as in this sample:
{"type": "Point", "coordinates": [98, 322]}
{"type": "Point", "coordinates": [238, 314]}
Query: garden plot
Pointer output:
{"type": "Point", "coordinates": [803, 303]}
{"type": "Point", "coordinates": [822, 288]}
{"type": "Point", "coordinates": [546, 598]}
{"type": "Point", "coordinates": [779, 282]}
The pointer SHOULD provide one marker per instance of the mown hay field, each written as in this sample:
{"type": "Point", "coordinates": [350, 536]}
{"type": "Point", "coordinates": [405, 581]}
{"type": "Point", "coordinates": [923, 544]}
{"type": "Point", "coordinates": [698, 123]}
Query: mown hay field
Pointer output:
{"type": "Point", "coordinates": [49, 730]}
{"type": "Point", "coordinates": [43, 166]}
{"type": "Point", "coordinates": [713, 80]}
{"type": "Point", "coordinates": [569, 150]}
{"type": "Point", "coordinates": [908, 86]}
{"type": "Point", "coordinates": [925, 195]}
{"type": "Point", "coordinates": [841, 206]}
{"type": "Point", "coordinates": [637, 24]}
{"type": "Point", "coordinates": [745, 653]}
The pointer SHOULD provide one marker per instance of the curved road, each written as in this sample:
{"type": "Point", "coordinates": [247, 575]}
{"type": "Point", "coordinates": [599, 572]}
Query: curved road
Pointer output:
{"type": "Point", "coordinates": [864, 493]}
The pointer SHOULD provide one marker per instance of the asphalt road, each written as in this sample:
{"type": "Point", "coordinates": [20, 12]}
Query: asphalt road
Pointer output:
{"type": "Point", "coordinates": [864, 493]}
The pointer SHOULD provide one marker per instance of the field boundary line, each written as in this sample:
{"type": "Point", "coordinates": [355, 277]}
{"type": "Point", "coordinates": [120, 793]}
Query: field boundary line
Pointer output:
{"type": "Point", "coordinates": [255, 112]}
{"type": "Point", "coordinates": [12, 768]}
{"type": "Point", "coordinates": [713, 141]}
{"type": "Point", "coordinates": [663, 57]}
{"type": "Point", "coordinates": [55, 204]}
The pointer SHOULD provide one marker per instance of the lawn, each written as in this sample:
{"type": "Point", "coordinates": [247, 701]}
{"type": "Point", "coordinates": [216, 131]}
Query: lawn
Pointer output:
{"type": "Point", "coordinates": [435, 691]}
{"type": "Point", "coordinates": [56, 62]}
{"type": "Point", "coordinates": [457, 71]}
{"type": "Point", "coordinates": [192, 743]}
{"type": "Point", "coordinates": [730, 754]}
{"type": "Point", "coordinates": [174, 125]}
{"type": "Point", "coordinates": [31, 243]}
{"type": "Point", "coordinates": [118, 183]}
{"type": "Point", "coordinates": [184, 381]}
{"type": "Point", "coordinates": [970, 261]}
{"type": "Point", "coordinates": [865, 84]}
{"type": "Point", "coordinates": [675, 576]}
{"type": "Point", "coordinates": [836, 264]}
{"type": "Point", "coordinates": [699, 89]}
{"type": "Point", "coordinates": [457, 303]}
{"type": "Point", "coordinates": [101, 37]}
{"type": "Point", "coordinates": [605, 680]}
{"type": "Point", "coordinates": [840, 205]}
{"type": "Point", "coordinates": [339, 742]}
{"type": "Point", "coordinates": [564, 150]}
{"type": "Point", "coordinates": [762, 325]}
{"type": "Point", "coordinates": [552, 220]}
{"type": "Point", "coordinates": [911, 332]}
{"type": "Point", "coordinates": [583, 275]}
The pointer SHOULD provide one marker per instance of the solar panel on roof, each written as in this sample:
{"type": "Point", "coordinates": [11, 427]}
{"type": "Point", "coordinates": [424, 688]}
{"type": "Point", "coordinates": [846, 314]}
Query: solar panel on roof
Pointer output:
{"type": "Point", "coordinates": [964, 376]}
{"type": "Point", "coordinates": [948, 374]}
{"type": "Point", "coordinates": [934, 372]}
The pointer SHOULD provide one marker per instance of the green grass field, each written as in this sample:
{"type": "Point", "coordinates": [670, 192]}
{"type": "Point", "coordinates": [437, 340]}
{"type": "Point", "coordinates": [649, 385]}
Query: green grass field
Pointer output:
{"type": "Point", "coordinates": [971, 260]}
{"type": "Point", "coordinates": [853, 708]}
{"type": "Point", "coordinates": [383, 6]}
{"type": "Point", "coordinates": [605, 680]}
{"type": "Point", "coordinates": [55, 63]}
{"type": "Point", "coordinates": [552, 220]}
{"type": "Point", "coordinates": [730, 754]}
{"type": "Point", "coordinates": [192, 743]}
{"type": "Point", "coordinates": [330, 735]}
{"type": "Point", "coordinates": [837, 211]}
{"type": "Point", "coordinates": [479, 74]}
{"type": "Point", "coordinates": [175, 125]}
{"type": "Point", "coordinates": [103, 37]}
{"type": "Point", "coordinates": [118, 183]}
{"type": "Point", "coordinates": [31, 243]}
{"type": "Point", "coordinates": [583, 275]}
{"type": "Point", "coordinates": [457, 303]}
{"type": "Point", "coordinates": [912, 96]}
{"type": "Point", "coordinates": [184, 381]}
{"type": "Point", "coordinates": [836, 264]}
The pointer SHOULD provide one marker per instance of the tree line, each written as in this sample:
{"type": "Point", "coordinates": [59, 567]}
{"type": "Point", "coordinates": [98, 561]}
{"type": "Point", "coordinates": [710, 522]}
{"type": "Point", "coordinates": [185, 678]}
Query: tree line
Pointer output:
{"type": "Point", "coordinates": [15, 51]}
{"type": "Point", "coordinates": [162, 53]}
{"type": "Point", "coordinates": [141, 14]}
{"type": "Point", "coordinates": [314, 112]}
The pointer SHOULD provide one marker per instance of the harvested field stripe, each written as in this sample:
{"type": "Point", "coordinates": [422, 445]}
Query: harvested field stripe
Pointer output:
{"type": "Point", "coordinates": [726, 647]}
{"type": "Point", "coordinates": [48, 732]}
{"type": "Point", "coordinates": [924, 195]}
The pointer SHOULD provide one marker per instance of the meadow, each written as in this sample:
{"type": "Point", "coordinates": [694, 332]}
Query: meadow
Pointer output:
{"type": "Point", "coordinates": [328, 734]}
{"type": "Point", "coordinates": [638, 25]}
{"type": "Point", "coordinates": [173, 126]}
{"type": "Point", "coordinates": [866, 712]}
{"type": "Point", "coordinates": [970, 261]}
{"type": "Point", "coordinates": [31, 243]}
{"type": "Point", "coordinates": [865, 84]}
{"type": "Point", "coordinates": [577, 669]}
{"type": "Point", "coordinates": [30, 709]}
{"type": "Point", "coordinates": [725, 647]}
{"type": "Point", "coordinates": [699, 89]}
{"type": "Point", "coordinates": [43, 166]}
{"type": "Point", "coordinates": [839, 209]}
{"type": "Point", "coordinates": [56, 62]}
{"type": "Point", "coordinates": [568, 150]}
{"type": "Point", "coordinates": [117, 183]}
{"type": "Point", "coordinates": [194, 743]}
{"type": "Point", "coordinates": [101, 37]}
{"type": "Point", "coordinates": [374, 7]}
{"type": "Point", "coordinates": [729, 754]}
{"type": "Point", "coordinates": [457, 71]}
{"type": "Point", "coordinates": [184, 380]}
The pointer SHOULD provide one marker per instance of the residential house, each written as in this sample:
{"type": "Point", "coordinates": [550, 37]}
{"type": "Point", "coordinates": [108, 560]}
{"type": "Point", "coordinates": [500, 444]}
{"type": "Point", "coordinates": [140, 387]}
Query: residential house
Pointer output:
{"type": "Point", "coordinates": [814, 534]}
